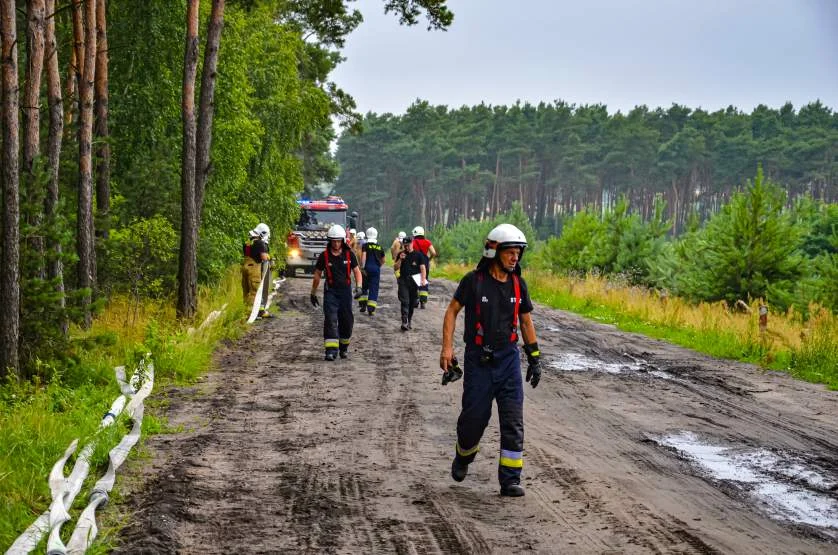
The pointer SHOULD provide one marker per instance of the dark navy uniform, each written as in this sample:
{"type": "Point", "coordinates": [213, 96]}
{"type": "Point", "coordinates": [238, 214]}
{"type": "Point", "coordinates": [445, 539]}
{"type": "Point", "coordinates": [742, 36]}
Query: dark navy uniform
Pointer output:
{"type": "Point", "coordinates": [372, 276]}
{"type": "Point", "coordinates": [337, 298]}
{"type": "Point", "coordinates": [492, 368]}
{"type": "Point", "coordinates": [408, 288]}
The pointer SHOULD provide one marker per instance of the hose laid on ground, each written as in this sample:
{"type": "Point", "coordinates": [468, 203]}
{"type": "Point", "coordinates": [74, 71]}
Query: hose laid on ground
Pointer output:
{"type": "Point", "coordinates": [64, 490]}
{"type": "Point", "coordinates": [86, 529]}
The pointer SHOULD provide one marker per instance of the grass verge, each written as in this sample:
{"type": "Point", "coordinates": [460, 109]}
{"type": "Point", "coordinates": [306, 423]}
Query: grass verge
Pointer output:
{"type": "Point", "coordinates": [39, 419]}
{"type": "Point", "coordinates": [807, 349]}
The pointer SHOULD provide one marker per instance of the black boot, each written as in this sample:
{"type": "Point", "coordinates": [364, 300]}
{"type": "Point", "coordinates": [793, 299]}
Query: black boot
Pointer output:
{"type": "Point", "coordinates": [344, 351]}
{"type": "Point", "coordinates": [405, 324]}
{"type": "Point", "coordinates": [331, 355]}
{"type": "Point", "coordinates": [512, 490]}
{"type": "Point", "coordinates": [459, 471]}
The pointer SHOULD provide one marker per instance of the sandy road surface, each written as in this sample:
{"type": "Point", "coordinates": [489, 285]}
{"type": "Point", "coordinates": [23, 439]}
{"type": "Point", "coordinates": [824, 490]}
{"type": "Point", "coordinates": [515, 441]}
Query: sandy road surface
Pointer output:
{"type": "Point", "coordinates": [632, 446]}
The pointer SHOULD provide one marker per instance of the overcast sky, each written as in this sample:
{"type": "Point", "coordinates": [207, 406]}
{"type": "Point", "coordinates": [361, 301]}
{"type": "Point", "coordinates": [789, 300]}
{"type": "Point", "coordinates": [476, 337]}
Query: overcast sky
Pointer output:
{"type": "Point", "coordinates": [700, 53]}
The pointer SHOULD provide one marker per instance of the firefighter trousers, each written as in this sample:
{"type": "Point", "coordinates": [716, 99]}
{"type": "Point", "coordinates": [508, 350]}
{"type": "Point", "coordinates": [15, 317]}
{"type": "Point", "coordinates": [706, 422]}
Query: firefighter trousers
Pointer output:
{"type": "Point", "coordinates": [338, 318]}
{"type": "Point", "coordinates": [251, 278]}
{"type": "Point", "coordinates": [499, 381]}
{"type": "Point", "coordinates": [369, 294]}
{"type": "Point", "coordinates": [408, 297]}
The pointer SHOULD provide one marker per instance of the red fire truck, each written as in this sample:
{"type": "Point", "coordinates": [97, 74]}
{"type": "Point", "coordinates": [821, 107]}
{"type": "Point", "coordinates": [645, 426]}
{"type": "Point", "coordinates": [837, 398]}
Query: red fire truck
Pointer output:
{"type": "Point", "coordinates": [308, 238]}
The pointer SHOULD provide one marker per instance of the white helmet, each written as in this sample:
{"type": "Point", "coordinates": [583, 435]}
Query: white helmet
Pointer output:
{"type": "Point", "coordinates": [504, 236]}
{"type": "Point", "coordinates": [352, 231]}
{"type": "Point", "coordinates": [336, 232]}
{"type": "Point", "coordinates": [264, 232]}
{"type": "Point", "coordinates": [402, 235]}
{"type": "Point", "coordinates": [361, 235]}
{"type": "Point", "coordinates": [418, 230]}
{"type": "Point", "coordinates": [372, 235]}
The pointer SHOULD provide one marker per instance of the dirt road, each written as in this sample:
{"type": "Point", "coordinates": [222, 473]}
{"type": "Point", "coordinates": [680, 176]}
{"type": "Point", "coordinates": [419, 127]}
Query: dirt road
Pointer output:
{"type": "Point", "coordinates": [632, 446]}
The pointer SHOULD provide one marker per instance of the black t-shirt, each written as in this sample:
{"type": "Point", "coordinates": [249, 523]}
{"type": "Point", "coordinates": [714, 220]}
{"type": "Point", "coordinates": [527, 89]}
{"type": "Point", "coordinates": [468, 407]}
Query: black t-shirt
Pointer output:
{"type": "Point", "coordinates": [257, 247]}
{"type": "Point", "coordinates": [375, 255]}
{"type": "Point", "coordinates": [410, 265]}
{"type": "Point", "coordinates": [337, 265]}
{"type": "Point", "coordinates": [493, 293]}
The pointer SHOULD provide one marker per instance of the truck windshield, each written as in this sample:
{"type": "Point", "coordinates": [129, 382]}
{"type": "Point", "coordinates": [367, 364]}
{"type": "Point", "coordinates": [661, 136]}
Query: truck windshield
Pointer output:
{"type": "Point", "coordinates": [320, 219]}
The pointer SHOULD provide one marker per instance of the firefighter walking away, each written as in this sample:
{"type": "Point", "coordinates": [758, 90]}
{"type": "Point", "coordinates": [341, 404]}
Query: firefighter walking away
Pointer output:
{"type": "Point", "coordinates": [340, 265]}
{"type": "Point", "coordinates": [423, 245]}
{"type": "Point", "coordinates": [498, 311]}
{"type": "Point", "coordinates": [372, 258]}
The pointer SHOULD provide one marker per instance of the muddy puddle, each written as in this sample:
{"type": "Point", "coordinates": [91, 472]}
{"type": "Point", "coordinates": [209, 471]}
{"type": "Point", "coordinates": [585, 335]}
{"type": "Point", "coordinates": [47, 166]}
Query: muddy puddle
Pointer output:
{"type": "Point", "coordinates": [784, 485]}
{"type": "Point", "coordinates": [575, 362]}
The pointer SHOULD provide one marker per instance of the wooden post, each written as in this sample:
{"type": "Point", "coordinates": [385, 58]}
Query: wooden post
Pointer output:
{"type": "Point", "coordinates": [763, 319]}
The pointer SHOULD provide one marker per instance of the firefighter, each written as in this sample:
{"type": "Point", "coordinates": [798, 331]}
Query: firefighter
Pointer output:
{"type": "Point", "coordinates": [425, 247]}
{"type": "Point", "coordinates": [255, 264]}
{"type": "Point", "coordinates": [410, 267]}
{"type": "Point", "coordinates": [397, 247]}
{"type": "Point", "coordinates": [339, 264]}
{"type": "Point", "coordinates": [372, 259]}
{"type": "Point", "coordinates": [498, 312]}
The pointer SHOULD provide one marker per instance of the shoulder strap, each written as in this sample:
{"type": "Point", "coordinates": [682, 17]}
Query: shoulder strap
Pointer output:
{"type": "Point", "coordinates": [516, 284]}
{"type": "Point", "coordinates": [479, 333]}
{"type": "Point", "coordinates": [328, 266]}
{"type": "Point", "coordinates": [348, 268]}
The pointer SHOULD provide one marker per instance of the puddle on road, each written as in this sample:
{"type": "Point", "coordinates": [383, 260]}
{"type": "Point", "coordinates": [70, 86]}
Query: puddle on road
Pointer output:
{"type": "Point", "coordinates": [575, 362]}
{"type": "Point", "coordinates": [785, 485]}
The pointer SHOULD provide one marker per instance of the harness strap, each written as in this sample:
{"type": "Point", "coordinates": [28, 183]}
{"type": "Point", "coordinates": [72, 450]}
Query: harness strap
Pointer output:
{"type": "Point", "coordinates": [480, 334]}
{"type": "Point", "coordinates": [329, 278]}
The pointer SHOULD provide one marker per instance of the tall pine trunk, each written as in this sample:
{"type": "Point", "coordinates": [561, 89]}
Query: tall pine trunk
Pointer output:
{"type": "Point", "coordinates": [55, 270]}
{"type": "Point", "coordinates": [187, 263]}
{"type": "Point", "coordinates": [100, 131]}
{"type": "Point", "coordinates": [10, 267]}
{"type": "Point", "coordinates": [84, 218]}
{"type": "Point", "coordinates": [206, 108]}
{"type": "Point", "coordinates": [32, 117]}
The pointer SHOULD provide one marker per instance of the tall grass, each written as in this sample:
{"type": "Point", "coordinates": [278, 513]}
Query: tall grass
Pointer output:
{"type": "Point", "coordinates": [805, 348]}
{"type": "Point", "coordinates": [39, 419]}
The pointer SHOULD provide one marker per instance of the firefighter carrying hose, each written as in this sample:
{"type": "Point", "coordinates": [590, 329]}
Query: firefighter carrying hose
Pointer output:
{"type": "Point", "coordinates": [424, 246]}
{"type": "Point", "coordinates": [339, 264]}
{"type": "Point", "coordinates": [372, 258]}
{"type": "Point", "coordinates": [255, 262]}
{"type": "Point", "coordinates": [498, 311]}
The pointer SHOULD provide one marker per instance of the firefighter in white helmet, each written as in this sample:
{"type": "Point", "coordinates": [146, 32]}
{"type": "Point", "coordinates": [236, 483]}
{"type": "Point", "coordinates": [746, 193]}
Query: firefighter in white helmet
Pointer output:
{"type": "Point", "coordinates": [372, 258]}
{"type": "Point", "coordinates": [340, 265]}
{"type": "Point", "coordinates": [498, 313]}
{"type": "Point", "coordinates": [397, 246]}
{"type": "Point", "coordinates": [256, 268]}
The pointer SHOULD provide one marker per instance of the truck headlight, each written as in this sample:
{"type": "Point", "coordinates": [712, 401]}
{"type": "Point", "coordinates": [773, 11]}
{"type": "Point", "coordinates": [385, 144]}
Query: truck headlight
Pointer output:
{"type": "Point", "coordinates": [294, 253]}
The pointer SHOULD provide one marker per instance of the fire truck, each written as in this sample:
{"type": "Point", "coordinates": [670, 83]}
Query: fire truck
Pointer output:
{"type": "Point", "coordinates": [308, 238]}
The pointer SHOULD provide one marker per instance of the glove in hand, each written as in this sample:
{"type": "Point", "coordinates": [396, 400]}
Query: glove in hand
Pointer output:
{"type": "Point", "coordinates": [453, 373]}
{"type": "Point", "coordinates": [534, 374]}
{"type": "Point", "coordinates": [534, 360]}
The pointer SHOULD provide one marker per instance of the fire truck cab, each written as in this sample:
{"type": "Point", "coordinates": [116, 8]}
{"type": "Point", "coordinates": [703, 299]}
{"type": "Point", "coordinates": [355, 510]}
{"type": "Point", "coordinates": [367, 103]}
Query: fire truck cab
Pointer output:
{"type": "Point", "coordinates": [308, 238]}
